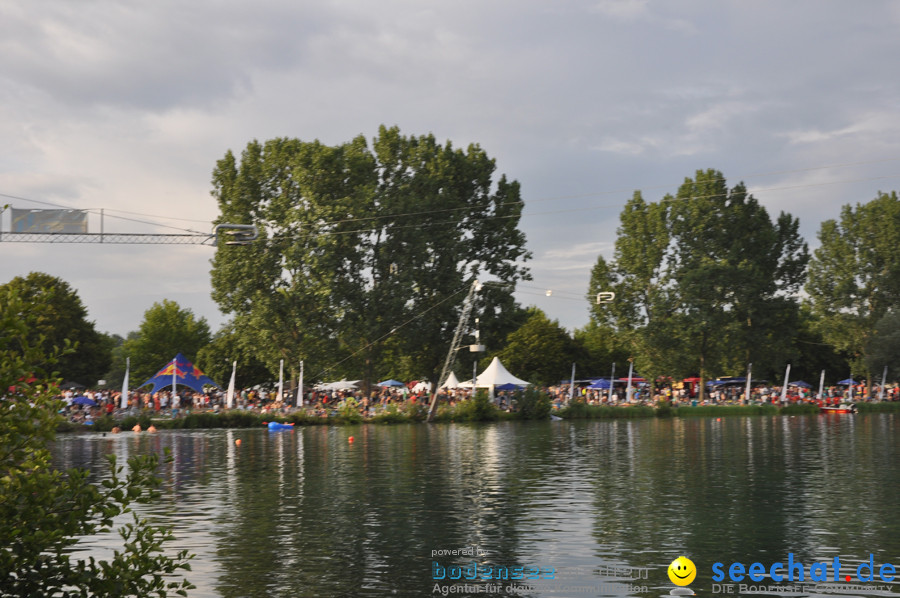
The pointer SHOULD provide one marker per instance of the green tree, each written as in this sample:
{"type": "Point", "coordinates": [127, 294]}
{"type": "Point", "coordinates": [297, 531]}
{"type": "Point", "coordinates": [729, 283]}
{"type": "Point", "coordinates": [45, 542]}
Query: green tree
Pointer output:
{"type": "Point", "coordinates": [226, 347]}
{"type": "Point", "coordinates": [704, 281]}
{"type": "Point", "coordinates": [540, 351]}
{"type": "Point", "coordinates": [597, 347]}
{"type": "Point", "coordinates": [59, 315]}
{"type": "Point", "coordinates": [362, 249]}
{"type": "Point", "coordinates": [883, 349]}
{"type": "Point", "coordinates": [854, 276]}
{"type": "Point", "coordinates": [166, 330]}
{"type": "Point", "coordinates": [815, 354]}
{"type": "Point", "coordinates": [44, 510]}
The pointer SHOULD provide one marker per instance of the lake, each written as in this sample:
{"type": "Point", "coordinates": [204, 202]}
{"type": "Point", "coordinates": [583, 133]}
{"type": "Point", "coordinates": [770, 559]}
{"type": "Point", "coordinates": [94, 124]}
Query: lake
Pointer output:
{"type": "Point", "coordinates": [597, 508]}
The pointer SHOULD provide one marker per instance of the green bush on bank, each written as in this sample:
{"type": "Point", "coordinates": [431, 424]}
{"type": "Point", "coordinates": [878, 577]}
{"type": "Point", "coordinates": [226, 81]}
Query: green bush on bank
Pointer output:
{"type": "Point", "coordinates": [533, 404]}
{"type": "Point", "coordinates": [477, 409]}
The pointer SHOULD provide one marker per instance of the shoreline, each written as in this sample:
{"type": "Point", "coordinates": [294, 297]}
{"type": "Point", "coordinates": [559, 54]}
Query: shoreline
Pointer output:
{"type": "Point", "coordinates": [242, 419]}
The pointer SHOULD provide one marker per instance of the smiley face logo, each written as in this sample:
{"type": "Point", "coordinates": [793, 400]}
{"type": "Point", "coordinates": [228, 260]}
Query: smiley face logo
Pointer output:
{"type": "Point", "coordinates": [682, 571]}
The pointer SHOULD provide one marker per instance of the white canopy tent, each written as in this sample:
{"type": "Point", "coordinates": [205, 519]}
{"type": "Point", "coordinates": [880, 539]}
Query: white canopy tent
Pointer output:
{"type": "Point", "coordinates": [422, 386]}
{"type": "Point", "coordinates": [451, 382]}
{"type": "Point", "coordinates": [495, 375]}
{"type": "Point", "coordinates": [339, 385]}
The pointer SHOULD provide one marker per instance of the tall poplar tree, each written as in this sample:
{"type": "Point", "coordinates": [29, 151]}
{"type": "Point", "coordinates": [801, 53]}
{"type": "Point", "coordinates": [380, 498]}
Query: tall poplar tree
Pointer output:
{"type": "Point", "coordinates": [360, 245]}
{"type": "Point", "coordinates": [705, 281]}
{"type": "Point", "coordinates": [854, 276]}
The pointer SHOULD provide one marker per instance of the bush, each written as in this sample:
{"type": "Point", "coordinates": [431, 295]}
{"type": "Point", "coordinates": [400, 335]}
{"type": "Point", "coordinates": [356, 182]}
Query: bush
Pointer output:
{"type": "Point", "coordinates": [664, 409]}
{"type": "Point", "coordinates": [348, 412]}
{"type": "Point", "coordinates": [534, 404]}
{"type": "Point", "coordinates": [477, 409]}
{"type": "Point", "coordinates": [46, 511]}
{"type": "Point", "coordinates": [390, 415]}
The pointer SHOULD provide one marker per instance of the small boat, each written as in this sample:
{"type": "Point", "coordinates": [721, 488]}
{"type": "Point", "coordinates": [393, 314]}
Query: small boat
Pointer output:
{"type": "Point", "coordinates": [842, 408]}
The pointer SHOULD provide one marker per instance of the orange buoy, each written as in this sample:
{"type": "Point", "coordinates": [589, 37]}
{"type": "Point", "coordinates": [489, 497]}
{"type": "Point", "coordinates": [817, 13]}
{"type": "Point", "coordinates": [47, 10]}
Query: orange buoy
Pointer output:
{"type": "Point", "coordinates": [350, 439]}
{"type": "Point", "coordinates": [238, 442]}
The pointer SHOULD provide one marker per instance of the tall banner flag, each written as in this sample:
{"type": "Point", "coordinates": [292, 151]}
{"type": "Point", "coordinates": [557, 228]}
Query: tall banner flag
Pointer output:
{"type": "Point", "coordinates": [229, 397]}
{"type": "Point", "coordinates": [124, 403]}
{"type": "Point", "coordinates": [628, 388]}
{"type": "Point", "coordinates": [180, 371]}
{"type": "Point", "coordinates": [749, 380]}
{"type": "Point", "coordinates": [572, 384]}
{"type": "Point", "coordinates": [821, 385]}
{"type": "Point", "coordinates": [612, 379]}
{"type": "Point", "coordinates": [787, 376]}
{"type": "Point", "coordinates": [300, 388]}
{"type": "Point", "coordinates": [280, 382]}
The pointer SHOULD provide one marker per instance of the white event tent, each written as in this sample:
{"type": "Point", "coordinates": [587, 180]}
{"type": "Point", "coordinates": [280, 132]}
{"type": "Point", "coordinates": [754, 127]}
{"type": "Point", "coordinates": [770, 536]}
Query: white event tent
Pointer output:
{"type": "Point", "coordinates": [496, 375]}
{"type": "Point", "coordinates": [451, 382]}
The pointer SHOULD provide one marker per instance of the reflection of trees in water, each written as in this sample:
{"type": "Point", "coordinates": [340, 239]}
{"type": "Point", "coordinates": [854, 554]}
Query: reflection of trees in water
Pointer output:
{"type": "Point", "coordinates": [740, 489]}
{"type": "Point", "coordinates": [313, 513]}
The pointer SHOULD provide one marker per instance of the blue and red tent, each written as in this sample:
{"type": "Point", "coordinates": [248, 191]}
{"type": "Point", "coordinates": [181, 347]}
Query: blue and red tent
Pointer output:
{"type": "Point", "coordinates": [181, 372]}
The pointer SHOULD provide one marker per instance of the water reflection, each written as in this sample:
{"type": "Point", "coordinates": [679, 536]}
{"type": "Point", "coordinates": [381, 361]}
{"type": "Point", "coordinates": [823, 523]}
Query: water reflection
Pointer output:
{"type": "Point", "coordinates": [607, 504]}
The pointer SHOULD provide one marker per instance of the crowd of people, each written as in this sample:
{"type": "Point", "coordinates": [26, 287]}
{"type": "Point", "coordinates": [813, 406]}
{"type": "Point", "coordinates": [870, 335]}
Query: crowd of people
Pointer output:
{"type": "Point", "coordinates": [88, 405]}
{"type": "Point", "coordinates": [723, 394]}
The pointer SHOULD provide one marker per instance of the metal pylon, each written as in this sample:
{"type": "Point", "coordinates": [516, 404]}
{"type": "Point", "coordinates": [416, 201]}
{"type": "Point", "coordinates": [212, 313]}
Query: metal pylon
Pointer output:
{"type": "Point", "coordinates": [455, 345]}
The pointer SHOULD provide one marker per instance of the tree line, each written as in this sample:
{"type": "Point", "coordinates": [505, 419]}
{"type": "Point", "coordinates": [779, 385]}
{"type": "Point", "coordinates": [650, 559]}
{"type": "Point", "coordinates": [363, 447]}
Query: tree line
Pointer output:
{"type": "Point", "coordinates": [366, 251]}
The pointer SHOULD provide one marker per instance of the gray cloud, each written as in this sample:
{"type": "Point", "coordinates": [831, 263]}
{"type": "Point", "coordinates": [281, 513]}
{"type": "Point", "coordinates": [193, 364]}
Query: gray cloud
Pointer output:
{"type": "Point", "coordinates": [127, 105]}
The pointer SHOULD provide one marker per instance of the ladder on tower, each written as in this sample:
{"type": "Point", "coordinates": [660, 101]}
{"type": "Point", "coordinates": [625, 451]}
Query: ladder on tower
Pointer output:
{"type": "Point", "coordinates": [455, 346]}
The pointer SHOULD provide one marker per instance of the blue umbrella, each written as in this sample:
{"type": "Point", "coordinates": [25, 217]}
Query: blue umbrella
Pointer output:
{"type": "Point", "coordinates": [394, 383]}
{"type": "Point", "coordinates": [508, 386]}
{"type": "Point", "coordinates": [800, 383]}
{"type": "Point", "coordinates": [601, 384]}
{"type": "Point", "coordinates": [82, 400]}
{"type": "Point", "coordinates": [847, 382]}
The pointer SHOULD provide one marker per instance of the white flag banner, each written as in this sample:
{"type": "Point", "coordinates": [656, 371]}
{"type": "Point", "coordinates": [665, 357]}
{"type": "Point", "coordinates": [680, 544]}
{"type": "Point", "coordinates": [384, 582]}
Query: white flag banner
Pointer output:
{"type": "Point", "coordinates": [300, 388]}
{"type": "Point", "coordinates": [787, 374]}
{"type": "Point", "coordinates": [124, 403]}
{"type": "Point", "coordinates": [229, 396]}
{"type": "Point", "coordinates": [280, 382]}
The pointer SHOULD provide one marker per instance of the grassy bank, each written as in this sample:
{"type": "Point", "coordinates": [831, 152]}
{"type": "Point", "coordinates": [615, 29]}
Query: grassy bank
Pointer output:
{"type": "Point", "coordinates": [887, 407]}
{"type": "Point", "coordinates": [531, 406]}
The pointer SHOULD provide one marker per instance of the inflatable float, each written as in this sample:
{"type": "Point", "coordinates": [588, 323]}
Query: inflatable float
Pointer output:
{"type": "Point", "coordinates": [278, 426]}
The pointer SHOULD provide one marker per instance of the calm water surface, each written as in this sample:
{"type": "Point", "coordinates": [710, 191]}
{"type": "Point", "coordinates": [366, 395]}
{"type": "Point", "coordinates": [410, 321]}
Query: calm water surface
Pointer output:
{"type": "Point", "coordinates": [605, 505]}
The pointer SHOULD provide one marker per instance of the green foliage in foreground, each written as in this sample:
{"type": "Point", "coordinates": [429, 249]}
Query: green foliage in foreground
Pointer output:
{"type": "Point", "coordinates": [45, 511]}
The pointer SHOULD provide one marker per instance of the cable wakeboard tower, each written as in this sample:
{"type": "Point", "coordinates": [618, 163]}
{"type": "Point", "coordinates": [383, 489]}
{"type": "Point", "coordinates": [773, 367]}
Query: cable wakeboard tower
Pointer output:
{"type": "Point", "coordinates": [455, 346]}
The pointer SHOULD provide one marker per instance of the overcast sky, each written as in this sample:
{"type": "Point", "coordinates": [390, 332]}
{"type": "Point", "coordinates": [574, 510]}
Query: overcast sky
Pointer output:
{"type": "Point", "coordinates": [126, 106]}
